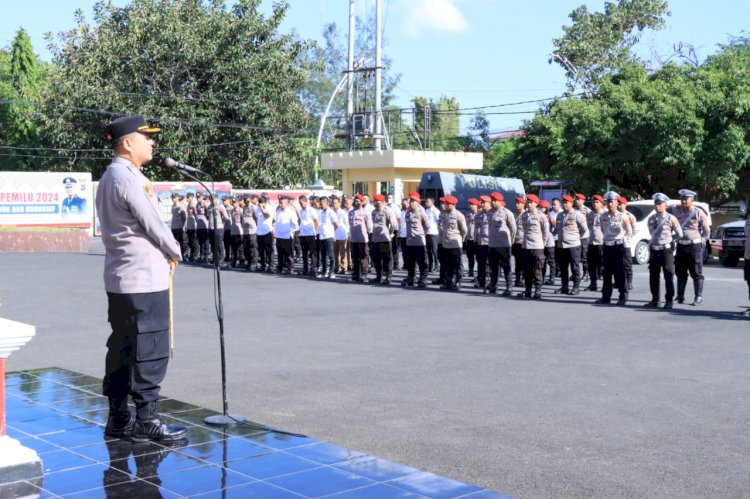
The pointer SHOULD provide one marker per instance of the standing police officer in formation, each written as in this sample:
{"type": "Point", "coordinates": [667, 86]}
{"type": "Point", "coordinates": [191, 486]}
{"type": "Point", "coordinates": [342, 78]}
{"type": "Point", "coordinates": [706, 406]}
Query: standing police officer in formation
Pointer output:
{"type": "Point", "coordinates": [216, 214]}
{"type": "Point", "coordinates": [228, 201]}
{"type": "Point", "coordinates": [661, 226]}
{"type": "Point", "coordinates": [482, 240]}
{"type": "Point", "coordinates": [308, 227]}
{"type": "Point", "coordinates": [179, 221]}
{"type": "Point", "coordinates": [572, 230]}
{"type": "Point", "coordinates": [747, 260]}
{"type": "Point", "coordinates": [191, 226]}
{"type": "Point", "coordinates": [593, 245]}
{"type": "Point", "coordinates": [469, 242]}
{"type": "Point", "coordinates": [250, 232]}
{"type": "Point", "coordinates": [237, 232]}
{"type": "Point", "coordinates": [384, 224]}
{"type": "Point", "coordinates": [284, 229]}
{"type": "Point", "coordinates": [689, 257]}
{"type": "Point", "coordinates": [549, 244]}
{"type": "Point", "coordinates": [417, 226]}
{"type": "Point", "coordinates": [360, 227]}
{"type": "Point", "coordinates": [518, 242]}
{"type": "Point", "coordinates": [201, 223]}
{"type": "Point", "coordinates": [627, 255]}
{"type": "Point", "coordinates": [535, 227]}
{"type": "Point", "coordinates": [452, 230]}
{"type": "Point", "coordinates": [264, 234]}
{"type": "Point", "coordinates": [501, 232]}
{"type": "Point", "coordinates": [141, 254]}
{"type": "Point", "coordinates": [615, 228]}
{"type": "Point", "coordinates": [580, 205]}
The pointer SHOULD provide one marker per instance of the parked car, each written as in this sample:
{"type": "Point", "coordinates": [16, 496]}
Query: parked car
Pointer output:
{"type": "Point", "coordinates": [728, 242]}
{"type": "Point", "coordinates": [640, 242]}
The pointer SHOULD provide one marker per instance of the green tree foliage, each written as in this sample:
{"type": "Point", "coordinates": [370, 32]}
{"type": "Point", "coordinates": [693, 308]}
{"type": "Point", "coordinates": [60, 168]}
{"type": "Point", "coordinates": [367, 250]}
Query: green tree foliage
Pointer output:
{"type": "Point", "coordinates": [598, 43]}
{"type": "Point", "coordinates": [444, 122]}
{"type": "Point", "coordinates": [206, 72]}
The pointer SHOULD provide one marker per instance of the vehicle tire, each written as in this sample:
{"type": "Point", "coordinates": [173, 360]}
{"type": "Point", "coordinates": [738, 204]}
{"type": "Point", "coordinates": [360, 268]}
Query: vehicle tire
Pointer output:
{"type": "Point", "coordinates": [642, 253]}
{"type": "Point", "coordinates": [728, 260]}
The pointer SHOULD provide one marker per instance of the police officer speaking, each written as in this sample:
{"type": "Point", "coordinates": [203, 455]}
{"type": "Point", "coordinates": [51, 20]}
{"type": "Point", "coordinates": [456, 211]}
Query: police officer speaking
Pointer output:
{"type": "Point", "coordinates": [140, 255]}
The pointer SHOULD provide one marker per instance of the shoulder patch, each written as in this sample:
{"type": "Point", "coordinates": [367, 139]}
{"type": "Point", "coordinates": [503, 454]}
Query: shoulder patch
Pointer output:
{"type": "Point", "coordinates": [149, 190]}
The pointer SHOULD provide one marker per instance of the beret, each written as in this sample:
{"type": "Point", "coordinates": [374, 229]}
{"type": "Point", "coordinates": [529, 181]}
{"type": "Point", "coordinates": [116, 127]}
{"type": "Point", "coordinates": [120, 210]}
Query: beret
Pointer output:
{"type": "Point", "coordinates": [532, 198]}
{"type": "Point", "coordinates": [497, 196]}
{"type": "Point", "coordinates": [568, 198]}
{"type": "Point", "coordinates": [451, 200]}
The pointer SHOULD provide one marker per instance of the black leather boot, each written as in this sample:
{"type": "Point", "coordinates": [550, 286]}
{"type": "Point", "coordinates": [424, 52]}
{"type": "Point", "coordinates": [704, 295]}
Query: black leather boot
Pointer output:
{"type": "Point", "coordinates": [698, 288]}
{"type": "Point", "coordinates": [537, 292]}
{"type": "Point", "coordinates": [120, 421]}
{"type": "Point", "coordinates": [148, 426]}
{"type": "Point", "coordinates": [681, 285]}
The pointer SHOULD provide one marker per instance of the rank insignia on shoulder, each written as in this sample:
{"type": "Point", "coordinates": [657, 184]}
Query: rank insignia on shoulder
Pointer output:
{"type": "Point", "coordinates": [149, 190]}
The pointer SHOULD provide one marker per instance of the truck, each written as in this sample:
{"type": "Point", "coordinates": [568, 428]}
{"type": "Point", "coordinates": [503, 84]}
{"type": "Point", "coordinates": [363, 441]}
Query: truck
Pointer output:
{"type": "Point", "coordinates": [464, 186]}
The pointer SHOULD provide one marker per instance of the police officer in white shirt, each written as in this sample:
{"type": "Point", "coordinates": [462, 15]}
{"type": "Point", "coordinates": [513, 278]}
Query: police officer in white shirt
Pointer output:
{"type": "Point", "coordinates": [265, 216]}
{"type": "Point", "coordinates": [433, 215]}
{"type": "Point", "coordinates": [286, 225]}
{"type": "Point", "coordinates": [328, 223]}
{"type": "Point", "coordinates": [308, 228]}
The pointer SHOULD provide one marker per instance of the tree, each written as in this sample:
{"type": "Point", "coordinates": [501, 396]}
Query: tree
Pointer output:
{"type": "Point", "coordinates": [220, 80]}
{"type": "Point", "coordinates": [599, 43]}
{"type": "Point", "coordinates": [444, 122]}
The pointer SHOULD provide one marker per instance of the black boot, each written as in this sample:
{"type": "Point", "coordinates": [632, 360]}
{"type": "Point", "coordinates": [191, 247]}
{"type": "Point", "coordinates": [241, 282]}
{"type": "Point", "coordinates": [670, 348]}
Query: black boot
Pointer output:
{"type": "Point", "coordinates": [681, 285]}
{"type": "Point", "coordinates": [377, 279]}
{"type": "Point", "coordinates": [630, 284]}
{"type": "Point", "coordinates": [537, 292]}
{"type": "Point", "coordinates": [508, 285]}
{"type": "Point", "coordinates": [386, 281]}
{"type": "Point", "coordinates": [421, 283]}
{"type": "Point", "coordinates": [148, 426]}
{"type": "Point", "coordinates": [698, 287]}
{"type": "Point", "coordinates": [120, 421]}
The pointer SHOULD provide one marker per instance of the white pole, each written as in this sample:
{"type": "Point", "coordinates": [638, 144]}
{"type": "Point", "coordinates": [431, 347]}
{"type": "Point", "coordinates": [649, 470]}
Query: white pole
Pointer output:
{"type": "Point", "coordinates": [350, 79]}
{"type": "Point", "coordinates": [378, 77]}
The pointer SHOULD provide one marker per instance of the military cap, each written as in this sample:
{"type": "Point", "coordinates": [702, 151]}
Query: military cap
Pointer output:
{"type": "Point", "coordinates": [251, 196]}
{"type": "Point", "coordinates": [474, 201]}
{"type": "Point", "coordinates": [660, 197]}
{"type": "Point", "coordinates": [485, 199]}
{"type": "Point", "coordinates": [532, 198]}
{"type": "Point", "coordinates": [622, 200]}
{"type": "Point", "coordinates": [568, 198]}
{"type": "Point", "coordinates": [497, 196]}
{"type": "Point", "coordinates": [441, 199]}
{"type": "Point", "coordinates": [127, 125]}
{"type": "Point", "coordinates": [199, 194]}
{"type": "Point", "coordinates": [686, 193]}
{"type": "Point", "coordinates": [580, 196]}
{"type": "Point", "coordinates": [521, 200]}
{"type": "Point", "coordinates": [597, 197]}
{"type": "Point", "coordinates": [69, 181]}
{"type": "Point", "coordinates": [378, 197]}
{"type": "Point", "coordinates": [262, 199]}
{"type": "Point", "coordinates": [176, 195]}
{"type": "Point", "coordinates": [190, 194]}
{"type": "Point", "coordinates": [303, 197]}
{"type": "Point", "coordinates": [359, 196]}
{"type": "Point", "coordinates": [544, 203]}
{"type": "Point", "coordinates": [334, 197]}
{"type": "Point", "coordinates": [415, 196]}
{"type": "Point", "coordinates": [224, 198]}
{"type": "Point", "coordinates": [451, 200]}
{"type": "Point", "coordinates": [611, 196]}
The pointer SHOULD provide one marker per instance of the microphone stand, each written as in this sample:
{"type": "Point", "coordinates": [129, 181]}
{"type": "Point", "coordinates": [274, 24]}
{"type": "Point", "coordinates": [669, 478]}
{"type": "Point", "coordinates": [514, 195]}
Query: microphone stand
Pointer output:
{"type": "Point", "coordinates": [224, 419]}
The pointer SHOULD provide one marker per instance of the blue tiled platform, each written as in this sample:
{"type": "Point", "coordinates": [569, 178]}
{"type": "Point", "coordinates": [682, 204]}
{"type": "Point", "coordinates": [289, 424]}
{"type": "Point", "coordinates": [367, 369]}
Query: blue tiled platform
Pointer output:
{"type": "Point", "coordinates": [61, 415]}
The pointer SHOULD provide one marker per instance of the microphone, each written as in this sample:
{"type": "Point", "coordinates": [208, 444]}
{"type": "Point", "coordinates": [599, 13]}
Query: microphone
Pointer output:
{"type": "Point", "coordinates": [181, 166]}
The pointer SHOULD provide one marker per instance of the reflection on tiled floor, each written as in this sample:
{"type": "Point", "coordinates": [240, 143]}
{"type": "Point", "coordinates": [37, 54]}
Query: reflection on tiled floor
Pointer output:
{"type": "Point", "coordinates": [61, 415]}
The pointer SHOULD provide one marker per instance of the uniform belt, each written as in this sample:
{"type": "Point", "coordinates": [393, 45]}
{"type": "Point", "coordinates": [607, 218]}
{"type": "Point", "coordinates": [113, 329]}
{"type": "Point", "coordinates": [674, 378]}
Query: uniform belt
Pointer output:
{"type": "Point", "coordinates": [660, 247]}
{"type": "Point", "coordinates": [690, 241]}
{"type": "Point", "coordinates": [616, 242]}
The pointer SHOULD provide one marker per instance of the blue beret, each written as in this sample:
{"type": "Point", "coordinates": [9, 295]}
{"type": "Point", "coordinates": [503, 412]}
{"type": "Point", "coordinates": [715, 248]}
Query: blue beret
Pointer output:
{"type": "Point", "coordinates": [660, 197]}
{"type": "Point", "coordinates": [686, 193]}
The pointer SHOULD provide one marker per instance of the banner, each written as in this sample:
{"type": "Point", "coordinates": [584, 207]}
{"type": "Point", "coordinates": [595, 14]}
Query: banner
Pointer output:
{"type": "Point", "coordinates": [48, 199]}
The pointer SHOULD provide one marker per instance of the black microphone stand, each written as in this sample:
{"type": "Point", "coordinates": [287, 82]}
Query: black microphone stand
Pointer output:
{"type": "Point", "coordinates": [224, 419]}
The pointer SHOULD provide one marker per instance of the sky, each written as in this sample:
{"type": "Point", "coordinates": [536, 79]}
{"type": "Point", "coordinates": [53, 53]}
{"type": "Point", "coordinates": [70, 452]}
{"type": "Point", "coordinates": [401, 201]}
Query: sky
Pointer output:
{"type": "Point", "coordinates": [482, 52]}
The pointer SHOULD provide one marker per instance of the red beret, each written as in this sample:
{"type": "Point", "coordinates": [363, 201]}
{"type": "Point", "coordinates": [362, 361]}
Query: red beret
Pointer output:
{"type": "Point", "coordinates": [544, 203]}
{"type": "Point", "coordinates": [378, 197]}
{"type": "Point", "coordinates": [597, 197]}
{"type": "Point", "coordinates": [485, 199]}
{"type": "Point", "coordinates": [451, 199]}
{"type": "Point", "coordinates": [568, 198]}
{"type": "Point", "coordinates": [622, 200]}
{"type": "Point", "coordinates": [580, 196]}
{"type": "Point", "coordinates": [532, 198]}
{"type": "Point", "coordinates": [359, 196]}
{"type": "Point", "coordinates": [415, 196]}
{"type": "Point", "coordinates": [497, 196]}
{"type": "Point", "coordinates": [520, 200]}
{"type": "Point", "coordinates": [442, 199]}
{"type": "Point", "coordinates": [474, 201]}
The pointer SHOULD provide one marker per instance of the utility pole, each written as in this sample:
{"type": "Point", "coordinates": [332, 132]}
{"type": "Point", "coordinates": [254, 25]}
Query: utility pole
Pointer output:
{"type": "Point", "coordinates": [378, 77]}
{"type": "Point", "coordinates": [350, 80]}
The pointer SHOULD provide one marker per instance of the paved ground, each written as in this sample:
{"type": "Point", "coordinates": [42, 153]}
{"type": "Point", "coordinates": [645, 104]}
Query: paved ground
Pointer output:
{"type": "Point", "coordinates": [535, 399]}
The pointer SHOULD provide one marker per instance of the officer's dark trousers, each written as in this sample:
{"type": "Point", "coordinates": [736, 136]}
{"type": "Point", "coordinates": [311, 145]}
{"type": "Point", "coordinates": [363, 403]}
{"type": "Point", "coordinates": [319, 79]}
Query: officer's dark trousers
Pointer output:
{"type": "Point", "coordinates": [534, 262]}
{"type": "Point", "coordinates": [179, 236]}
{"type": "Point", "coordinates": [499, 258]}
{"type": "Point", "coordinates": [317, 252]}
{"type": "Point", "coordinates": [747, 277]}
{"type": "Point", "coordinates": [517, 252]}
{"type": "Point", "coordinates": [549, 255]}
{"type": "Point", "coordinates": [307, 243]}
{"type": "Point", "coordinates": [327, 261]}
{"type": "Point", "coordinates": [193, 244]}
{"type": "Point", "coordinates": [218, 243]}
{"type": "Point", "coordinates": [265, 249]}
{"type": "Point", "coordinates": [138, 348]}
{"type": "Point", "coordinates": [297, 246]}
{"type": "Point", "coordinates": [441, 261]}
{"type": "Point", "coordinates": [394, 251]}
{"type": "Point", "coordinates": [381, 258]}
{"type": "Point", "coordinates": [285, 254]}
{"type": "Point", "coordinates": [452, 264]}
{"type": "Point", "coordinates": [585, 257]}
{"type": "Point", "coordinates": [482, 255]}
{"type": "Point", "coordinates": [689, 258]}
{"type": "Point", "coordinates": [203, 243]}
{"type": "Point", "coordinates": [402, 245]}
{"type": "Point", "coordinates": [594, 253]}
{"type": "Point", "coordinates": [613, 267]}
{"type": "Point", "coordinates": [627, 264]}
{"type": "Point", "coordinates": [661, 261]}
{"type": "Point", "coordinates": [471, 253]}
{"type": "Point", "coordinates": [236, 255]}
{"type": "Point", "coordinates": [360, 258]}
{"type": "Point", "coordinates": [570, 264]}
{"type": "Point", "coordinates": [227, 244]}
{"type": "Point", "coordinates": [431, 249]}
{"type": "Point", "coordinates": [415, 256]}
{"type": "Point", "coordinates": [250, 249]}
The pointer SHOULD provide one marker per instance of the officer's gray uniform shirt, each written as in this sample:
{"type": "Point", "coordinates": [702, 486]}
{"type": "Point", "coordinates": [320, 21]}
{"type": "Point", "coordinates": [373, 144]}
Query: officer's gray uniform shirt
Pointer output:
{"type": "Point", "coordinates": [249, 219]}
{"type": "Point", "coordinates": [228, 217]}
{"type": "Point", "coordinates": [452, 229]}
{"type": "Point", "coordinates": [571, 228]}
{"type": "Point", "coordinates": [615, 227]}
{"type": "Point", "coordinates": [137, 242]}
{"type": "Point", "coordinates": [501, 228]}
{"type": "Point", "coordinates": [594, 221]}
{"type": "Point", "coordinates": [416, 227]}
{"type": "Point", "coordinates": [664, 235]}
{"type": "Point", "coordinates": [482, 228]}
{"type": "Point", "coordinates": [220, 218]}
{"type": "Point", "coordinates": [179, 216]}
{"type": "Point", "coordinates": [201, 220]}
{"type": "Point", "coordinates": [191, 223]}
{"type": "Point", "coordinates": [747, 240]}
{"type": "Point", "coordinates": [237, 227]}
{"type": "Point", "coordinates": [360, 225]}
{"type": "Point", "coordinates": [383, 223]}
{"type": "Point", "coordinates": [693, 228]}
{"type": "Point", "coordinates": [535, 228]}
{"type": "Point", "coordinates": [519, 228]}
{"type": "Point", "coordinates": [471, 223]}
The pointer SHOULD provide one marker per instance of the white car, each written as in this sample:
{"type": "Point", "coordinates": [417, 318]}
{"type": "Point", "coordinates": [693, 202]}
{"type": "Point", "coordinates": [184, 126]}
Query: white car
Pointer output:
{"type": "Point", "coordinates": [639, 244]}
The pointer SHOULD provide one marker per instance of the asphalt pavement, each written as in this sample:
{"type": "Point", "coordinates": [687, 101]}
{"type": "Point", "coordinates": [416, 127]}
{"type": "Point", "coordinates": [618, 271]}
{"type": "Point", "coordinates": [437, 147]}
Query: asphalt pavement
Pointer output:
{"type": "Point", "coordinates": [551, 398]}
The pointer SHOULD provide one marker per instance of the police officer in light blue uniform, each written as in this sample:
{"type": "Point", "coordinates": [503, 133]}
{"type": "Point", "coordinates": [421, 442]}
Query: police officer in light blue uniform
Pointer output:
{"type": "Point", "coordinates": [72, 204]}
{"type": "Point", "coordinates": [140, 254]}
